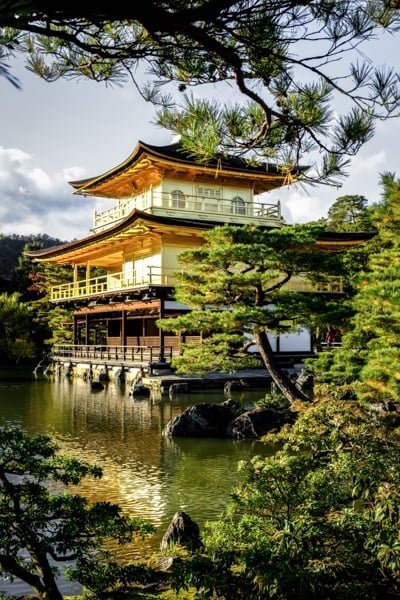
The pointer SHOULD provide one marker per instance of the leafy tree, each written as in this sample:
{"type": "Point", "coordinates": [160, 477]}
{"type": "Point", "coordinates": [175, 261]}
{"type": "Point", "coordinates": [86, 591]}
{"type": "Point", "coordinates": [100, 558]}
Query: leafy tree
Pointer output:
{"type": "Point", "coordinates": [41, 526]}
{"type": "Point", "coordinates": [14, 267]}
{"type": "Point", "coordinates": [36, 279]}
{"type": "Point", "coordinates": [237, 285]}
{"type": "Point", "coordinates": [349, 213]}
{"type": "Point", "coordinates": [317, 520]}
{"type": "Point", "coordinates": [289, 60]}
{"type": "Point", "coordinates": [16, 341]}
{"type": "Point", "coordinates": [368, 363]}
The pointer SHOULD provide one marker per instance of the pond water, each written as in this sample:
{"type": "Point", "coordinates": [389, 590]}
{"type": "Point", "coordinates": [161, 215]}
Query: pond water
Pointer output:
{"type": "Point", "coordinates": [147, 474]}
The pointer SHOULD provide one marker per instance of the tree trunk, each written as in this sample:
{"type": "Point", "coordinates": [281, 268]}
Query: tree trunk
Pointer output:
{"type": "Point", "coordinates": [51, 591]}
{"type": "Point", "coordinates": [282, 381]}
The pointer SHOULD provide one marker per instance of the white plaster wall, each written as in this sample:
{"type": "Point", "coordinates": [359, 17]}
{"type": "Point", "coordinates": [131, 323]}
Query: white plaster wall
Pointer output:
{"type": "Point", "coordinates": [296, 341]}
{"type": "Point", "coordinates": [170, 256]}
{"type": "Point", "coordinates": [142, 271]}
{"type": "Point", "coordinates": [227, 192]}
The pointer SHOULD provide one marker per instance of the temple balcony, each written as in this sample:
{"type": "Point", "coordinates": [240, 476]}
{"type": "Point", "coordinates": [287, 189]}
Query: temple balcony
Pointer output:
{"type": "Point", "coordinates": [131, 354]}
{"type": "Point", "coordinates": [159, 277]}
{"type": "Point", "coordinates": [113, 283]}
{"type": "Point", "coordinates": [233, 211]}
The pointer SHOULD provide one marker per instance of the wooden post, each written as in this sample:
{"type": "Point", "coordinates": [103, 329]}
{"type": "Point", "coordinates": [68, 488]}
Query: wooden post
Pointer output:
{"type": "Point", "coordinates": [87, 278]}
{"type": "Point", "coordinates": [87, 330]}
{"type": "Point", "coordinates": [161, 332]}
{"type": "Point", "coordinates": [123, 327]}
{"type": "Point", "coordinates": [74, 330]}
{"type": "Point", "coordinates": [75, 280]}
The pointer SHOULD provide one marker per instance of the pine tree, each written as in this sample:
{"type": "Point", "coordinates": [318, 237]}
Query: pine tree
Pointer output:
{"type": "Point", "coordinates": [369, 359]}
{"type": "Point", "coordinates": [287, 60]}
{"type": "Point", "coordinates": [238, 286]}
{"type": "Point", "coordinates": [349, 213]}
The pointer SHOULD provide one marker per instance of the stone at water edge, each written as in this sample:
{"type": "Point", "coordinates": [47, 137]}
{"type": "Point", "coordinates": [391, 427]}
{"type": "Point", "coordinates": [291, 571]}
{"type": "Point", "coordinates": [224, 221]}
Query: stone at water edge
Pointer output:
{"type": "Point", "coordinates": [256, 423]}
{"type": "Point", "coordinates": [202, 420]}
{"type": "Point", "coordinates": [182, 531]}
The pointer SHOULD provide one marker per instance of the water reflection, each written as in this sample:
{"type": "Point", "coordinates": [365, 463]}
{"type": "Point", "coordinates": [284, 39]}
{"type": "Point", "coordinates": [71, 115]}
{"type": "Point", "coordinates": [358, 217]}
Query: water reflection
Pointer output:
{"type": "Point", "coordinates": [147, 474]}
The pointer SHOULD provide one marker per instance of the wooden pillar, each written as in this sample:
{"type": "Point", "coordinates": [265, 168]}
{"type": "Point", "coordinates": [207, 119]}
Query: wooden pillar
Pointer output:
{"type": "Point", "coordinates": [161, 332]}
{"type": "Point", "coordinates": [75, 279]}
{"type": "Point", "coordinates": [86, 329]}
{"type": "Point", "coordinates": [87, 278]}
{"type": "Point", "coordinates": [74, 330]}
{"type": "Point", "coordinates": [123, 327]}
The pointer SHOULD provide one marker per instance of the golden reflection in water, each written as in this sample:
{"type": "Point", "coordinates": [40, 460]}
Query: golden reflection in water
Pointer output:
{"type": "Point", "coordinates": [147, 474]}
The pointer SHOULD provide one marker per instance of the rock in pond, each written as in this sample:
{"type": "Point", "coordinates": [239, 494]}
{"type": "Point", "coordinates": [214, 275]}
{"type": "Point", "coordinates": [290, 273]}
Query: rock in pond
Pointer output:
{"type": "Point", "coordinates": [253, 424]}
{"type": "Point", "coordinates": [202, 420]}
{"type": "Point", "coordinates": [182, 531]}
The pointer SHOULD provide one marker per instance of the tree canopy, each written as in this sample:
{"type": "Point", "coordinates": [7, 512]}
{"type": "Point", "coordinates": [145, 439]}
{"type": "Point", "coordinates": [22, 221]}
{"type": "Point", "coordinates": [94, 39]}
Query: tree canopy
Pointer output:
{"type": "Point", "coordinates": [349, 213]}
{"type": "Point", "coordinates": [368, 361]}
{"type": "Point", "coordinates": [289, 61]}
{"type": "Point", "coordinates": [245, 281]}
{"type": "Point", "coordinates": [319, 519]}
{"type": "Point", "coordinates": [42, 527]}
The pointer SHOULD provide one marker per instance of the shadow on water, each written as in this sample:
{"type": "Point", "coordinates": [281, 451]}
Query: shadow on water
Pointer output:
{"type": "Point", "coordinates": [147, 474]}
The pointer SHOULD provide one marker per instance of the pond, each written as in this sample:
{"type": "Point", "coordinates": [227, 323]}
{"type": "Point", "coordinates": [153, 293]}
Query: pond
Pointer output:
{"type": "Point", "coordinates": [147, 474]}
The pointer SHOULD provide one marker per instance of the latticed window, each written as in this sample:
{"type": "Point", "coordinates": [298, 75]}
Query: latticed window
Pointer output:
{"type": "Point", "coordinates": [238, 206]}
{"type": "Point", "coordinates": [209, 197]}
{"type": "Point", "coordinates": [207, 192]}
{"type": "Point", "coordinates": [178, 199]}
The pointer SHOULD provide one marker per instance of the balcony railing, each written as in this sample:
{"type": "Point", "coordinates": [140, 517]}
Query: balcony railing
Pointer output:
{"type": "Point", "coordinates": [156, 276]}
{"type": "Point", "coordinates": [123, 354]}
{"type": "Point", "coordinates": [115, 282]}
{"type": "Point", "coordinates": [195, 207]}
{"type": "Point", "coordinates": [330, 285]}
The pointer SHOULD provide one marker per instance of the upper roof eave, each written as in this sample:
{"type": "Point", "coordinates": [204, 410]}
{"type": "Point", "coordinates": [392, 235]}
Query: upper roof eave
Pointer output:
{"type": "Point", "coordinates": [174, 153]}
{"type": "Point", "coordinates": [326, 237]}
{"type": "Point", "coordinates": [48, 253]}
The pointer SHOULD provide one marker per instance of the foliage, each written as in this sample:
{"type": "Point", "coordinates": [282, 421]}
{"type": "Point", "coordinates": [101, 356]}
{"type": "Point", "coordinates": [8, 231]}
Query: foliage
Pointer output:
{"type": "Point", "coordinates": [42, 526]}
{"type": "Point", "coordinates": [288, 60]}
{"type": "Point", "coordinates": [349, 213]}
{"type": "Point", "coordinates": [317, 520]}
{"type": "Point", "coordinates": [273, 402]}
{"type": "Point", "coordinates": [238, 285]}
{"type": "Point", "coordinates": [368, 362]}
{"type": "Point", "coordinates": [14, 268]}
{"type": "Point", "coordinates": [16, 340]}
{"type": "Point", "coordinates": [35, 281]}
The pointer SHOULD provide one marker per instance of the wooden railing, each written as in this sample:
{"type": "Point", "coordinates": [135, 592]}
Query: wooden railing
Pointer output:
{"type": "Point", "coordinates": [330, 285]}
{"type": "Point", "coordinates": [115, 282]}
{"type": "Point", "coordinates": [156, 276]}
{"type": "Point", "coordinates": [193, 206]}
{"type": "Point", "coordinates": [123, 354]}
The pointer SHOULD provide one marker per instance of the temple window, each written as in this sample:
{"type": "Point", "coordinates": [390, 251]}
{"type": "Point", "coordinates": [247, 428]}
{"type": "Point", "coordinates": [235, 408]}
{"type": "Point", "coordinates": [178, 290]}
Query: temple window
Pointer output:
{"type": "Point", "coordinates": [178, 199]}
{"type": "Point", "coordinates": [209, 196]}
{"type": "Point", "coordinates": [238, 206]}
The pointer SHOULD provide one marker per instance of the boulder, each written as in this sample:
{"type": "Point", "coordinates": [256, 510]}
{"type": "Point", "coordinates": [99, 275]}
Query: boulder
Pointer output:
{"type": "Point", "coordinates": [202, 420]}
{"type": "Point", "coordinates": [182, 531]}
{"type": "Point", "coordinates": [256, 423]}
{"type": "Point", "coordinates": [305, 380]}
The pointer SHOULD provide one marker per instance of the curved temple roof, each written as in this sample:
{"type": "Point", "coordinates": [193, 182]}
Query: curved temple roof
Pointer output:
{"type": "Point", "coordinates": [139, 221]}
{"type": "Point", "coordinates": [264, 176]}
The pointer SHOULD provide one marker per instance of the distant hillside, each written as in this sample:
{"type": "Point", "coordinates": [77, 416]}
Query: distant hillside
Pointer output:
{"type": "Point", "coordinates": [11, 247]}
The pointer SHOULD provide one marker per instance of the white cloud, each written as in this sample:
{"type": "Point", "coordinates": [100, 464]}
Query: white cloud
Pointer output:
{"type": "Point", "coordinates": [33, 201]}
{"type": "Point", "coordinates": [300, 207]}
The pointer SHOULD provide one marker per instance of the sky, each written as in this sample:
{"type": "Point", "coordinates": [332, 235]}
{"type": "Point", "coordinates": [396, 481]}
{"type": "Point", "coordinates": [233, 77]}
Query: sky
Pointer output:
{"type": "Point", "coordinates": [52, 133]}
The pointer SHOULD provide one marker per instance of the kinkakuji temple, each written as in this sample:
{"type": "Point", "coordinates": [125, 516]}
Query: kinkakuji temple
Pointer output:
{"type": "Point", "coordinates": [161, 203]}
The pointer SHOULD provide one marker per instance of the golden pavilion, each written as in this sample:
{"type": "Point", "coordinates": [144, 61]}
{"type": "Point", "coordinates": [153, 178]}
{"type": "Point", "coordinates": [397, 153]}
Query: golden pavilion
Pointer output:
{"type": "Point", "coordinates": [122, 275]}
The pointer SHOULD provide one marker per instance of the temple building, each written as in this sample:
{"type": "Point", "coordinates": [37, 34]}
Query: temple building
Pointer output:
{"type": "Point", "coordinates": [122, 275]}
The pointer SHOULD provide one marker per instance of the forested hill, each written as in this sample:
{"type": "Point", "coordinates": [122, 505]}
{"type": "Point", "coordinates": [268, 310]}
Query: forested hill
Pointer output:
{"type": "Point", "coordinates": [11, 247]}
